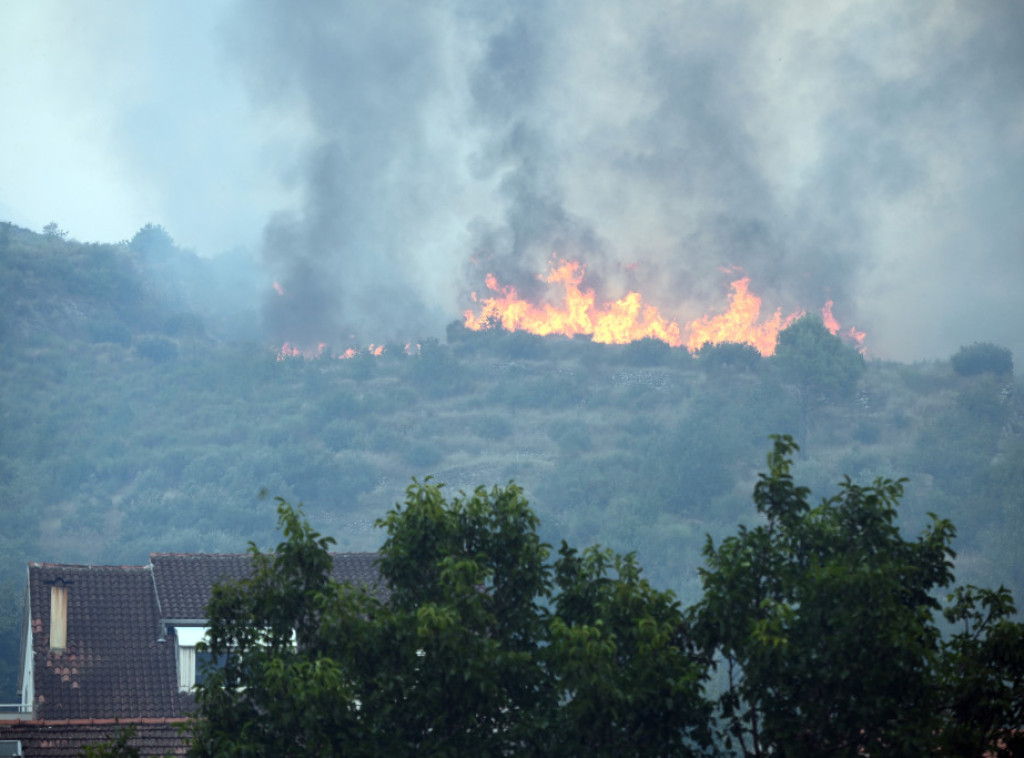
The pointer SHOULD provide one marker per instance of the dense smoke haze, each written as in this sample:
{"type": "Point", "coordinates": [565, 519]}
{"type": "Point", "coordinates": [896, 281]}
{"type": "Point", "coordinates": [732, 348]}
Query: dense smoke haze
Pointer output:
{"type": "Point", "coordinates": [381, 158]}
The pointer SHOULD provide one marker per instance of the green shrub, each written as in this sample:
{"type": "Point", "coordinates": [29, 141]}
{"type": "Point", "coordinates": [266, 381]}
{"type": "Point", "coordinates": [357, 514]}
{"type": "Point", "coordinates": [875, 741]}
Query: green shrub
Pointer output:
{"type": "Point", "coordinates": [982, 358]}
{"type": "Point", "coordinates": [730, 356]}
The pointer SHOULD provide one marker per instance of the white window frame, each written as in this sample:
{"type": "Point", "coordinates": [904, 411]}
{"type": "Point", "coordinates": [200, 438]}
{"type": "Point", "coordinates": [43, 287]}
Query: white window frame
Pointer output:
{"type": "Point", "coordinates": [186, 639]}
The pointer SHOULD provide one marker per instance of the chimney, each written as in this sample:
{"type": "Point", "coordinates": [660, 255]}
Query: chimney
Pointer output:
{"type": "Point", "coordinates": [58, 615]}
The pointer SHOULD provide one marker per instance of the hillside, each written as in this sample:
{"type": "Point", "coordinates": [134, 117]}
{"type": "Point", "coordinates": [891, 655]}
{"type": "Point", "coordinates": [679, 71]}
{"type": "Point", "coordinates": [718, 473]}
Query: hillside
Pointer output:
{"type": "Point", "coordinates": [142, 412]}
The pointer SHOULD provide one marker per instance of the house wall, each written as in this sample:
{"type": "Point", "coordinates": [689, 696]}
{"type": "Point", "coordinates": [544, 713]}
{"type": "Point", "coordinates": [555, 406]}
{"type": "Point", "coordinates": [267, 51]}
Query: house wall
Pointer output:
{"type": "Point", "coordinates": [28, 695]}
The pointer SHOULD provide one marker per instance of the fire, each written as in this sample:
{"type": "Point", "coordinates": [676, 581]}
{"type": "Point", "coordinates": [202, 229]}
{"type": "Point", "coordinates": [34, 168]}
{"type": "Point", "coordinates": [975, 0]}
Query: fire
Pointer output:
{"type": "Point", "coordinates": [624, 320]}
{"type": "Point", "coordinates": [740, 323]}
{"type": "Point", "coordinates": [288, 350]}
{"type": "Point", "coordinates": [851, 334]}
{"type": "Point", "coordinates": [629, 319]}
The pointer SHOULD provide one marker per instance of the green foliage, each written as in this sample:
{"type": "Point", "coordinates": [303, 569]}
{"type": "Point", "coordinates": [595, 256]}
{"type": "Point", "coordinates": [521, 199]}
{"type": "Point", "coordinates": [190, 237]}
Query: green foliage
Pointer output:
{"type": "Point", "coordinates": [631, 670]}
{"type": "Point", "coordinates": [484, 646]}
{"type": "Point", "coordinates": [106, 456]}
{"type": "Point", "coordinates": [52, 229]}
{"type": "Point", "coordinates": [152, 240]}
{"type": "Point", "coordinates": [115, 747]}
{"type": "Point", "coordinates": [824, 620]}
{"type": "Point", "coordinates": [982, 358]}
{"type": "Point", "coordinates": [436, 371]}
{"type": "Point", "coordinates": [983, 675]}
{"type": "Point", "coordinates": [727, 357]}
{"type": "Point", "coordinates": [816, 361]}
{"type": "Point", "coordinates": [647, 352]}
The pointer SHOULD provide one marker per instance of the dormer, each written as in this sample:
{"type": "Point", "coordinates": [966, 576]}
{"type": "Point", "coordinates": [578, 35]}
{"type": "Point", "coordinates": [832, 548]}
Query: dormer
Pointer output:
{"type": "Point", "coordinates": [189, 662]}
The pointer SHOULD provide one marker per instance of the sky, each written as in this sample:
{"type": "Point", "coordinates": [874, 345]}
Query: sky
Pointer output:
{"type": "Point", "coordinates": [379, 159]}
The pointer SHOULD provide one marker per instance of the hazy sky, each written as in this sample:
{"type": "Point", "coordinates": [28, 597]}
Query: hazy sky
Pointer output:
{"type": "Point", "coordinates": [382, 157]}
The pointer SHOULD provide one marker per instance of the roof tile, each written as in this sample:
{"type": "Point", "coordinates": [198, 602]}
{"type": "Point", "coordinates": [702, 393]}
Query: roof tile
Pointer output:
{"type": "Point", "coordinates": [116, 663]}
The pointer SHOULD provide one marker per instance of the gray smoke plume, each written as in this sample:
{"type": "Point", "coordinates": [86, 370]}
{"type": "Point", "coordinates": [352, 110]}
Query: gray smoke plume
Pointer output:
{"type": "Point", "coordinates": [871, 153]}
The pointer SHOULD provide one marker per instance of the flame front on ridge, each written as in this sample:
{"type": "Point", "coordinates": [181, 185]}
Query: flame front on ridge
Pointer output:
{"type": "Point", "coordinates": [629, 319]}
{"type": "Point", "coordinates": [740, 323]}
{"type": "Point", "coordinates": [624, 320]}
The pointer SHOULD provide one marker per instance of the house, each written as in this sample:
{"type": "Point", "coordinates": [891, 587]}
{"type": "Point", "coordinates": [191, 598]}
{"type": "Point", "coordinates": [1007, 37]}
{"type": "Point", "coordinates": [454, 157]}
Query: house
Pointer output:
{"type": "Point", "coordinates": [104, 647]}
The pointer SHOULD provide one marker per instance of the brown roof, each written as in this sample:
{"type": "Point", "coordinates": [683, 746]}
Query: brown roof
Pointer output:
{"type": "Point", "coordinates": [60, 739]}
{"type": "Point", "coordinates": [118, 662]}
{"type": "Point", "coordinates": [113, 665]}
{"type": "Point", "coordinates": [184, 581]}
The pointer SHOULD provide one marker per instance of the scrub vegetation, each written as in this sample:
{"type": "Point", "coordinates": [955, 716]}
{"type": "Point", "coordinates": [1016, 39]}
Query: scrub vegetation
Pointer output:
{"type": "Point", "coordinates": [142, 411]}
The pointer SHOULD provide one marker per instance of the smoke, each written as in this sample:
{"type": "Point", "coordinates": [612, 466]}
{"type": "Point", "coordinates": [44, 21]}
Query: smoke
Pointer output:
{"type": "Point", "coordinates": [867, 152]}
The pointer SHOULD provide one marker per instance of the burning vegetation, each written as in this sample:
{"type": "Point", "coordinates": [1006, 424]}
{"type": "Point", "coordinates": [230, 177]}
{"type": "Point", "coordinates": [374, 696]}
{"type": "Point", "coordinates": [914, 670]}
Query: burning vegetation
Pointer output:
{"type": "Point", "coordinates": [629, 319]}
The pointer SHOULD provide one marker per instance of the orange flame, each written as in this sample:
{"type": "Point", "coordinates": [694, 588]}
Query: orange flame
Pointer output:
{"type": "Point", "coordinates": [374, 350]}
{"type": "Point", "coordinates": [740, 323]}
{"type": "Point", "coordinates": [851, 334]}
{"type": "Point", "coordinates": [624, 320]}
{"type": "Point", "coordinates": [628, 319]}
{"type": "Point", "coordinates": [288, 350]}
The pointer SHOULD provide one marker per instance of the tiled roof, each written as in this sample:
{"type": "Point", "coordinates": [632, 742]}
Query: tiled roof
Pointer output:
{"type": "Point", "coordinates": [184, 581]}
{"type": "Point", "coordinates": [65, 738]}
{"type": "Point", "coordinates": [118, 662]}
{"type": "Point", "coordinates": [113, 665]}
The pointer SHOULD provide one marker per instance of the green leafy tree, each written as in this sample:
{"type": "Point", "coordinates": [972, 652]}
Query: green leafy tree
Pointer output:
{"type": "Point", "coordinates": [152, 239]}
{"type": "Point", "coordinates": [823, 620]}
{"type": "Point", "coordinates": [981, 358]}
{"type": "Point", "coordinates": [823, 369]}
{"type": "Point", "coordinates": [53, 230]}
{"type": "Point", "coordinates": [819, 362]}
{"type": "Point", "coordinates": [628, 668]}
{"type": "Point", "coordinates": [983, 675]}
{"type": "Point", "coordinates": [484, 646]}
{"type": "Point", "coordinates": [724, 358]}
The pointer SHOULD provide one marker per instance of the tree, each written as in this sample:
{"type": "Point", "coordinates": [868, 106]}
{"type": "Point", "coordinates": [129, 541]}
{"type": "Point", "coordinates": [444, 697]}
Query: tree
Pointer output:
{"type": "Point", "coordinates": [483, 646]}
{"type": "Point", "coordinates": [53, 230]}
{"type": "Point", "coordinates": [983, 675]}
{"type": "Point", "coordinates": [824, 622]}
{"type": "Point", "coordinates": [628, 669]}
{"type": "Point", "coordinates": [981, 358]}
{"type": "Point", "coordinates": [818, 361]}
{"type": "Point", "coordinates": [822, 368]}
{"type": "Point", "coordinates": [152, 240]}
{"type": "Point", "coordinates": [725, 358]}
